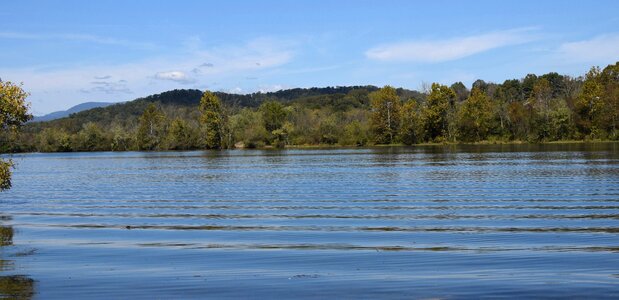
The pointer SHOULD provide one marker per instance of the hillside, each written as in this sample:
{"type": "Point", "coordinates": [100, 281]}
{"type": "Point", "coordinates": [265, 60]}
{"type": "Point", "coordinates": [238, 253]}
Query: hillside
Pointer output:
{"type": "Point", "coordinates": [183, 102]}
{"type": "Point", "coordinates": [65, 113]}
{"type": "Point", "coordinates": [549, 107]}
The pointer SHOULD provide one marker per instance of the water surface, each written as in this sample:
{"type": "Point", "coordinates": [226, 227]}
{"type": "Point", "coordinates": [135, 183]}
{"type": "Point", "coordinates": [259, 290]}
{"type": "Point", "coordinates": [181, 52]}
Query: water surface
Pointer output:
{"type": "Point", "coordinates": [418, 222]}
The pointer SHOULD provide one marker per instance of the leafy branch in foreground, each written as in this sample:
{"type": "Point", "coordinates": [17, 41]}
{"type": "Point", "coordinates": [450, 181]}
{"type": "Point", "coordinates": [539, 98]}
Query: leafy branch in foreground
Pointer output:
{"type": "Point", "coordinates": [13, 113]}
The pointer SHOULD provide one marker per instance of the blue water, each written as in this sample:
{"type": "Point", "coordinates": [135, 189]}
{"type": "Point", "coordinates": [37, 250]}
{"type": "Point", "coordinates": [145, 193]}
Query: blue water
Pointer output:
{"type": "Point", "coordinates": [419, 222]}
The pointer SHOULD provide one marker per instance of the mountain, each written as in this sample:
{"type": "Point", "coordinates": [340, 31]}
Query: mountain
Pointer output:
{"type": "Point", "coordinates": [75, 109]}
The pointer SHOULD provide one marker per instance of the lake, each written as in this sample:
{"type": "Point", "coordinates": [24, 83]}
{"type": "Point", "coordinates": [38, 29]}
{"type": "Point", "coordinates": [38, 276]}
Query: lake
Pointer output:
{"type": "Point", "coordinates": [391, 222]}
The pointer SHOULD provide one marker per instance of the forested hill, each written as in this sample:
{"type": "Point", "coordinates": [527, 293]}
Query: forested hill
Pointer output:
{"type": "Point", "coordinates": [548, 107]}
{"type": "Point", "coordinates": [181, 102]}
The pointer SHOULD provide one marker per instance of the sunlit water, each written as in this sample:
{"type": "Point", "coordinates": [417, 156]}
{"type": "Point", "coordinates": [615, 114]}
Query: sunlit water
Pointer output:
{"type": "Point", "coordinates": [423, 222]}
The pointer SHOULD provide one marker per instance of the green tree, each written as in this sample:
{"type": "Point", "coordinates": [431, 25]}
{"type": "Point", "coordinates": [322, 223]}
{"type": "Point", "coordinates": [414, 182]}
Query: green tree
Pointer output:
{"type": "Point", "coordinates": [273, 115]}
{"type": "Point", "coordinates": [539, 102]}
{"type": "Point", "coordinates": [436, 110]}
{"type": "Point", "coordinates": [121, 139]}
{"type": "Point", "coordinates": [180, 135]}
{"type": "Point", "coordinates": [355, 134]}
{"type": "Point", "coordinates": [560, 121]}
{"type": "Point", "coordinates": [90, 138]}
{"type": "Point", "coordinates": [461, 91]}
{"type": "Point", "coordinates": [385, 119]}
{"type": "Point", "coordinates": [411, 131]}
{"type": "Point", "coordinates": [475, 116]}
{"type": "Point", "coordinates": [213, 121]}
{"type": "Point", "coordinates": [248, 129]}
{"type": "Point", "coordinates": [13, 114]}
{"type": "Point", "coordinates": [329, 130]}
{"type": "Point", "coordinates": [151, 128]}
{"type": "Point", "coordinates": [53, 140]}
{"type": "Point", "coordinates": [589, 103]}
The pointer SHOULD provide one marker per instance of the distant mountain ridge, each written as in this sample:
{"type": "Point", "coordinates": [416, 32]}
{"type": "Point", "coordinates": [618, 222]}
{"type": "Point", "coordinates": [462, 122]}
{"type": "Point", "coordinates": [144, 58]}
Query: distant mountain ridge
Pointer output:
{"type": "Point", "coordinates": [75, 109]}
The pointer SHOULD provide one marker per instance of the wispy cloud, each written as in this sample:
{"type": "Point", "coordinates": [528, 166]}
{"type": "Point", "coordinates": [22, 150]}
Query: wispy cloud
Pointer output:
{"type": "Point", "coordinates": [118, 82]}
{"type": "Point", "coordinates": [74, 37]}
{"type": "Point", "coordinates": [432, 51]}
{"type": "Point", "coordinates": [602, 48]}
{"type": "Point", "coordinates": [109, 87]}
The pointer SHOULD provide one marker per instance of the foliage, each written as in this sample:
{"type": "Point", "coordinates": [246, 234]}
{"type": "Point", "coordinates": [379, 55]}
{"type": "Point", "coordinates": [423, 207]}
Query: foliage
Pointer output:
{"type": "Point", "coordinates": [151, 128]}
{"type": "Point", "coordinates": [212, 121]}
{"type": "Point", "coordinates": [475, 117]}
{"type": "Point", "coordinates": [411, 131]}
{"type": "Point", "coordinates": [385, 121]}
{"type": "Point", "coordinates": [13, 113]}
{"type": "Point", "coordinates": [181, 136]}
{"type": "Point", "coordinates": [436, 110]}
{"type": "Point", "coordinates": [247, 129]}
{"type": "Point", "coordinates": [5, 174]}
{"type": "Point", "coordinates": [535, 108]}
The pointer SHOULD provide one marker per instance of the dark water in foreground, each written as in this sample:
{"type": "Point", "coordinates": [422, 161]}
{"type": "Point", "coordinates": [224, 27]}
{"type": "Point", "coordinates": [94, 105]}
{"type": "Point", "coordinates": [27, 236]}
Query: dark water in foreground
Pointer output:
{"type": "Point", "coordinates": [426, 222]}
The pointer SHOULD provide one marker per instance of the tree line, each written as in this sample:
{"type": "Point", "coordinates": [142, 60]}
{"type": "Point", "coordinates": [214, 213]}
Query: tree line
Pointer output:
{"type": "Point", "coordinates": [550, 107]}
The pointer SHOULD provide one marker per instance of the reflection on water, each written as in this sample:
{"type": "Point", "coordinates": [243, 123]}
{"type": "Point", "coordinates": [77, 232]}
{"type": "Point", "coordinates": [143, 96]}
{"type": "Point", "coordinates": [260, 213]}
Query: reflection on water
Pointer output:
{"type": "Point", "coordinates": [16, 287]}
{"type": "Point", "coordinates": [12, 286]}
{"type": "Point", "coordinates": [468, 221]}
{"type": "Point", "coordinates": [6, 236]}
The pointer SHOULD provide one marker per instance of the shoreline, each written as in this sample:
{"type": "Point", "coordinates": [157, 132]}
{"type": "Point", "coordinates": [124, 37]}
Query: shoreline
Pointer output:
{"type": "Point", "coordinates": [329, 146]}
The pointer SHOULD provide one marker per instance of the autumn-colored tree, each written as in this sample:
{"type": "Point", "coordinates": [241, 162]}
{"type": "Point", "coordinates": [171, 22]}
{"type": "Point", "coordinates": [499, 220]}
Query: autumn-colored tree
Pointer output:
{"type": "Point", "coordinates": [13, 114]}
{"type": "Point", "coordinates": [385, 119]}
{"type": "Point", "coordinates": [436, 110]}
{"type": "Point", "coordinates": [212, 120]}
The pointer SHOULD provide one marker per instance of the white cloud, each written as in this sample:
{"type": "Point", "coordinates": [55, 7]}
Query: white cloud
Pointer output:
{"type": "Point", "coordinates": [449, 49]}
{"type": "Point", "coordinates": [177, 76]}
{"type": "Point", "coordinates": [60, 86]}
{"type": "Point", "coordinates": [600, 49]}
{"type": "Point", "coordinates": [270, 88]}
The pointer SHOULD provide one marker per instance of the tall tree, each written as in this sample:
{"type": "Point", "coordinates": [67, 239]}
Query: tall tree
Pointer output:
{"type": "Point", "coordinates": [180, 136]}
{"type": "Point", "coordinates": [589, 103]}
{"type": "Point", "coordinates": [436, 110]}
{"type": "Point", "coordinates": [539, 101]}
{"type": "Point", "coordinates": [411, 129]}
{"type": "Point", "coordinates": [385, 120]}
{"type": "Point", "coordinates": [13, 114]}
{"type": "Point", "coordinates": [273, 116]}
{"type": "Point", "coordinates": [475, 116]}
{"type": "Point", "coordinates": [213, 120]}
{"type": "Point", "coordinates": [151, 128]}
{"type": "Point", "coordinates": [461, 91]}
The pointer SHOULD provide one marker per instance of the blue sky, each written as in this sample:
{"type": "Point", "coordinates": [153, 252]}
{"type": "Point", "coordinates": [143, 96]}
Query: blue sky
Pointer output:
{"type": "Point", "coordinates": [69, 52]}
